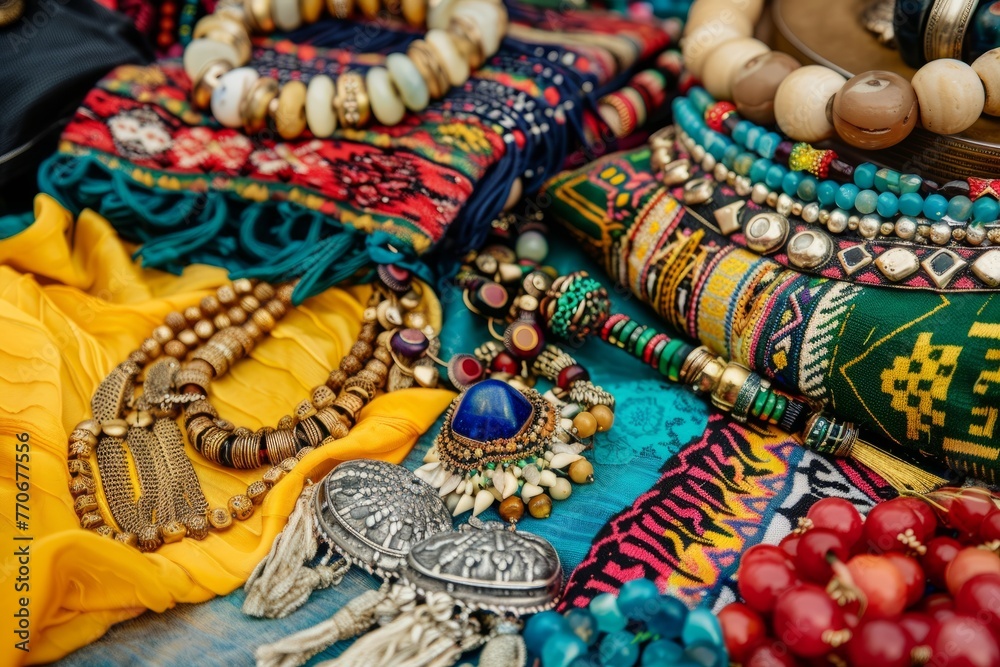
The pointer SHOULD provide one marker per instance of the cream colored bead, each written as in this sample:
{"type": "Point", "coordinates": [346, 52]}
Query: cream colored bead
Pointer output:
{"type": "Point", "coordinates": [454, 64]}
{"type": "Point", "coordinates": [489, 17]}
{"type": "Point", "coordinates": [802, 100]}
{"type": "Point", "coordinates": [699, 44]}
{"type": "Point", "coordinates": [202, 51]}
{"type": "Point", "coordinates": [385, 101]}
{"type": "Point", "coordinates": [439, 13]}
{"type": "Point", "coordinates": [287, 15]}
{"type": "Point", "coordinates": [228, 96]}
{"type": "Point", "coordinates": [725, 61]}
{"type": "Point", "coordinates": [319, 106]}
{"type": "Point", "coordinates": [950, 95]}
{"type": "Point", "coordinates": [703, 11]}
{"type": "Point", "coordinates": [987, 66]}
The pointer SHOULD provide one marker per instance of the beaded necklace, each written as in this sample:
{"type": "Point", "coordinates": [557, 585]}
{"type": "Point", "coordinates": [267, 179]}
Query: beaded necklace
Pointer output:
{"type": "Point", "coordinates": [462, 35]}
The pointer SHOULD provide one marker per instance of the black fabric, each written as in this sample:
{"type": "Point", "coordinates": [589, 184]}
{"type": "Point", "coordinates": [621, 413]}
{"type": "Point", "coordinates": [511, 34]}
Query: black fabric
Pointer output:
{"type": "Point", "coordinates": [49, 59]}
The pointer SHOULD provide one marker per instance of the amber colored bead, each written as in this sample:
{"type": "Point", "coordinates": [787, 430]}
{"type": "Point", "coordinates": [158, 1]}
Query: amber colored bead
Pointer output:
{"type": "Point", "coordinates": [237, 315]}
{"type": "Point", "coordinates": [264, 292]}
{"type": "Point", "coordinates": [875, 110]}
{"type": "Point", "coordinates": [175, 321]}
{"type": "Point", "coordinates": [192, 314]}
{"type": "Point", "coordinates": [586, 424]}
{"type": "Point", "coordinates": [604, 416]}
{"type": "Point", "coordinates": [221, 321]}
{"type": "Point", "coordinates": [175, 348]}
{"type": "Point", "coordinates": [257, 491]}
{"type": "Point", "coordinates": [138, 357]}
{"type": "Point", "coordinates": [197, 526]}
{"type": "Point", "coordinates": [172, 531]}
{"type": "Point", "coordinates": [204, 329]}
{"type": "Point", "coordinates": [91, 520]}
{"type": "Point", "coordinates": [512, 509]}
{"type": "Point", "coordinates": [361, 350]}
{"type": "Point", "coordinates": [264, 320]}
{"type": "Point", "coordinates": [756, 83]}
{"type": "Point", "coordinates": [241, 507]}
{"type": "Point", "coordinates": [163, 334]}
{"type": "Point", "coordinates": [336, 379]}
{"type": "Point", "coordinates": [382, 354]}
{"type": "Point", "coordinates": [220, 518]}
{"type": "Point", "coordinates": [210, 305]}
{"type": "Point", "coordinates": [581, 471]}
{"type": "Point", "coordinates": [540, 506]}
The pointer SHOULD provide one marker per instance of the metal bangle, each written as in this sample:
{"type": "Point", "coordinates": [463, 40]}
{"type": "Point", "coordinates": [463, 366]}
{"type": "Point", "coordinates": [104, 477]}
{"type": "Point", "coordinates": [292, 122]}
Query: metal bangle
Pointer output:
{"type": "Point", "coordinates": [946, 27]}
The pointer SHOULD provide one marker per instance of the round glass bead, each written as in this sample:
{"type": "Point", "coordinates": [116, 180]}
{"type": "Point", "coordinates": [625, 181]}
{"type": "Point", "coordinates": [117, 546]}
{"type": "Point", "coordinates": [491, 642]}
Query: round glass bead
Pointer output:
{"type": "Point", "coordinates": [935, 206]}
{"type": "Point", "coordinates": [960, 208]}
{"type": "Point", "coordinates": [668, 622]}
{"type": "Point", "coordinates": [638, 599]}
{"type": "Point", "coordinates": [409, 343]}
{"type": "Point", "coordinates": [619, 649]}
{"type": "Point", "coordinates": [911, 203]}
{"type": "Point", "coordinates": [753, 136]}
{"type": "Point", "coordinates": [604, 607]}
{"type": "Point", "coordinates": [571, 374]}
{"type": "Point", "coordinates": [583, 624]}
{"type": "Point", "coordinates": [768, 143]}
{"type": "Point", "coordinates": [866, 202]}
{"type": "Point", "coordinates": [662, 652]}
{"type": "Point", "coordinates": [759, 170]}
{"type": "Point", "coordinates": [887, 205]}
{"type": "Point", "coordinates": [826, 193]}
{"type": "Point", "coordinates": [790, 183]}
{"type": "Point", "coordinates": [909, 183]}
{"type": "Point", "coordinates": [806, 190]}
{"type": "Point", "coordinates": [702, 625]}
{"type": "Point", "coordinates": [774, 176]}
{"type": "Point", "coordinates": [846, 196]}
{"type": "Point", "coordinates": [985, 209]}
{"type": "Point", "coordinates": [532, 245]}
{"type": "Point", "coordinates": [540, 627]}
{"type": "Point", "coordinates": [561, 649]}
{"type": "Point", "coordinates": [864, 175]}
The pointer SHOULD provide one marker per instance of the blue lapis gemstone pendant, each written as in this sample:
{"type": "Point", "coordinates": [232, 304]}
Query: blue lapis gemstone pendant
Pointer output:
{"type": "Point", "coordinates": [491, 410]}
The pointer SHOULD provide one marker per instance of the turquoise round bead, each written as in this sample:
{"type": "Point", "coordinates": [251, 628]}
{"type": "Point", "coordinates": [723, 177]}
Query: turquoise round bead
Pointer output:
{"type": "Point", "coordinates": [639, 599]}
{"type": "Point", "coordinates": [662, 652]}
{"type": "Point", "coordinates": [700, 98]}
{"type": "Point", "coordinates": [540, 627]}
{"type": "Point", "coordinates": [561, 649]}
{"type": "Point", "coordinates": [960, 208]}
{"type": "Point", "coordinates": [668, 621]}
{"type": "Point", "coordinates": [619, 650]}
{"type": "Point", "coordinates": [768, 143]}
{"type": "Point", "coordinates": [753, 136]}
{"type": "Point", "coordinates": [729, 157]}
{"type": "Point", "coordinates": [587, 660]}
{"type": "Point", "coordinates": [864, 175]}
{"type": "Point", "coordinates": [774, 176]}
{"type": "Point", "coordinates": [911, 204]}
{"type": "Point", "coordinates": [741, 130]}
{"type": "Point", "coordinates": [807, 189]}
{"type": "Point", "coordinates": [605, 609]}
{"type": "Point", "coordinates": [935, 206]}
{"type": "Point", "coordinates": [866, 201]}
{"type": "Point", "coordinates": [583, 624]}
{"type": "Point", "coordinates": [887, 205]}
{"type": "Point", "coordinates": [759, 169]}
{"type": "Point", "coordinates": [985, 209]}
{"type": "Point", "coordinates": [826, 193]}
{"type": "Point", "coordinates": [702, 626]}
{"type": "Point", "coordinates": [706, 654]}
{"type": "Point", "coordinates": [790, 183]}
{"type": "Point", "coordinates": [846, 196]}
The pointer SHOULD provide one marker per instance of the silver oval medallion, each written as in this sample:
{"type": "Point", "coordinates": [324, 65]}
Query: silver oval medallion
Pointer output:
{"type": "Point", "coordinates": [489, 569]}
{"type": "Point", "coordinates": [373, 512]}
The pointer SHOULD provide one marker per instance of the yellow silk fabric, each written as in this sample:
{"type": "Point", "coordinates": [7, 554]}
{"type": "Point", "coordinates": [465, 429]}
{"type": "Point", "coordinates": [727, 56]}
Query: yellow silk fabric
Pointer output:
{"type": "Point", "coordinates": [73, 305]}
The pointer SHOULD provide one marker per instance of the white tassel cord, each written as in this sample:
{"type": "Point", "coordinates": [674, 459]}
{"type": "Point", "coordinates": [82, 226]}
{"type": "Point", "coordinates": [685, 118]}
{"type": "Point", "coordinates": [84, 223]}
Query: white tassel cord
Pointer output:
{"type": "Point", "coordinates": [282, 582]}
{"type": "Point", "coordinates": [350, 620]}
{"type": "Point", "coordinates": [428, 635]}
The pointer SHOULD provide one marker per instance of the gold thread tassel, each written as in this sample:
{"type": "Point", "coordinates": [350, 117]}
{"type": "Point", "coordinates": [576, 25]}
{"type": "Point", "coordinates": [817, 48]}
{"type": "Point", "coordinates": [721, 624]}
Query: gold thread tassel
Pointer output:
{"type": "Point", "coordinates": [901, 475]}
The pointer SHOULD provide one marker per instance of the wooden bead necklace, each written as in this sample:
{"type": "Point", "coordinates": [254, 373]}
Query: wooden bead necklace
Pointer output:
{"type": "Point", "coordinates": [462, 35]}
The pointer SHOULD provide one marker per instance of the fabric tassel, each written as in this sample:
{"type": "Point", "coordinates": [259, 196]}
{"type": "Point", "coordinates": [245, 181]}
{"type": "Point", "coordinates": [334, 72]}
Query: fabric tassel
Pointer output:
{"type": "Point", "coordinates": [282, 582]}
{"type": "Point", "coordinates": [428, 635]}
{"type": "Point", "coordinates": [504, 650]}
{"type": "Point", "coordinates": [350, 620]}
{"type": "Point", "coordinates": [901, 475]}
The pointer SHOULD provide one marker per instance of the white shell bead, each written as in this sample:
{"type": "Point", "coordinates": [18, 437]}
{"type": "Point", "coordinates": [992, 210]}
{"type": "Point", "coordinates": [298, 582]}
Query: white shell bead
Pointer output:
{"type": "Point", "coordinates": [699, 44]}
{"type": "Point", "coordinates": [323, 121]}
{"type": "Point", "coordinates": [987, 66]}
{"type": "Point", "coordinates": [230, 93]}
{"type": "Point", "coordinates": [465, 503]}
{"type": "Point", "coordinates": [950, 95]}
{"type": "Point", "coordinates": [455, 65]}
{"type": "Point", "coordinates": [386, 104]}
{"type": "Point", "coordinates": [202, 51]}
{"type": "Point", "coordinates": [483, 500]}
{"type": "Point", "coordinates": [801, 102]}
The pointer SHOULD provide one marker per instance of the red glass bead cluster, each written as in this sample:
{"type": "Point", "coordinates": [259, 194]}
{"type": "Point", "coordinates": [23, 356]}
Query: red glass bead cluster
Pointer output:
{"type": "Point", "coordinates": [916, 582]}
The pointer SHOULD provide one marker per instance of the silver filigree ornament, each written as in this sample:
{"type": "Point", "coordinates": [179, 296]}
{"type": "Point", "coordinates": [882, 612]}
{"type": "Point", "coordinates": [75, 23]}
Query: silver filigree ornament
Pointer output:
{"type": "Point", "coordinates": [364, 513]}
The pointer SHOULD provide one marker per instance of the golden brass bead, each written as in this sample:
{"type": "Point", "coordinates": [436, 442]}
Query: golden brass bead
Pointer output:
{"type": "Point", "coordinates": [264, 320]}
{"type": "Point", "coordinates": [361, 350]}
{"type": "Point", "coordinates": [276, 308]}
{"type": "Point", "coordinates": [256, 492]}
{"type": "Point", "coordinates": [79, 450]}
{"type": "Point", "coordinates": [151, 347]}
{"type": "Point", "coordinates": [249, 303]}
{"type": "Point", "coordinates": [90, 425]}
{"type": "Point", "coordinates": [288, 464]}
{"type": "Point", "coordinates": [226, 295]}
{"type": "Point", "coordinates": [162, 334]}
{"type": "Point", "coordinates": [105, 531]}
{"type": "Point", "coordinates": [175, 321]}
{"type": "Point", "coordinates": [139, 358]}
{"type": "Point", "coordinates": [251, 329]}
{"type": "Point", "coordinates": [140, 418]}
{"type": "Point", "coordinates": [84, 435]}
{"type": "Point", "coordinates": [80, 485]}
{"type": "Point", "coordinates": [285, 293]}
{"type": "Point", "coordinates": [172, 531]}
{"type": "Point", "coordinates": [322, 396]}
{"type": "Point", "coordinates": [210, 305]}
{"type": "Point", "coordinates": [382, 354]}
{"type": "Point", "coordinates": [350, 364]}
{"type": "Point", "coordinates": [204, 329]}
{"type": "Point", "coordinates": [242, 286]}
{"type": "Point", "coordinates": [192, 314]}
{"type": "Point", "coordinates": [336, 379]}
{"type": "Point", "coordinates": [240, 507]}
{"type": "Point", "coordinates": [85, 503]}
{"type": "Point", "coordinates": [304, 452]}
{"type": "Point", "coordinates": [733, 377]}
{"type": "Point", "coordinates": [116, 428]}
{"type": "Point", "coordinates": [220, 518]}
{"type": "Point", "coordinates": [91, 519]}
{"type": "Point", "coordinates": [79, 467]}
{"type": "Point", "coordinates": [128, 539]}
{"type": "Point", "coordinates": [286, 422]}
{"type": "Point", "coordinates": [175, 348]}
{"type": "Point", "coordinates": [237, 315]}
{"type": "Point", "coordinates": [264, 292]}
{"type": "Point", "coordinates": [274, 475]}
{"type": "Point", "coordinates": [304, 410]}
{"type": "Point", "coordinates": [197, 526]}
{"type": "Point", "coordinates": [188, 337]}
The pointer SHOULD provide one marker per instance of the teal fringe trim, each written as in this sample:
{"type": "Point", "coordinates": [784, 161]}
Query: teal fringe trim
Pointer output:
{"type": "Point", "coordinates": [12, 225]}
{"type": "Point", "coordinates": [273, 241]}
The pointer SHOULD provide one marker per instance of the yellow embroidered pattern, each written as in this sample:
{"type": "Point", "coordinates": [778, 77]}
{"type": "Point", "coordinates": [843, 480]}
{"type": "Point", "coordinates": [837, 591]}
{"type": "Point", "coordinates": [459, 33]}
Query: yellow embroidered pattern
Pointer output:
{"type": "Point", "coordinates": [918, 384]}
